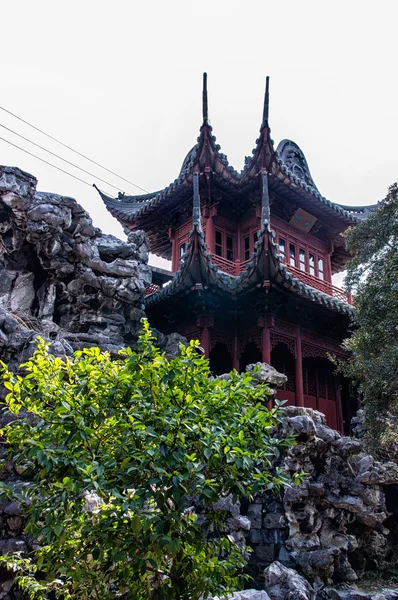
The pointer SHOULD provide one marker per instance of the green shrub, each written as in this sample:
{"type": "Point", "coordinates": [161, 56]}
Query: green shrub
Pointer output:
{"type": "Point", "coordinates": [140, 434]}
{"type": "Point", "coordinates": [372, 274]}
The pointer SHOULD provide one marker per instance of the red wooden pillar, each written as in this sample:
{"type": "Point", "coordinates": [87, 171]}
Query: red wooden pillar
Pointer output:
{"type": "Point", "coordinates": [235, 354]}
{"type": "Point", "coordinates": [174, 263]}
{"type": "Point", "coordinates": [328, 267]}
{"type": "Point", "coordinates": [209, 234]}
{"type": "Point", "coordinates": [263, 322]}
{"type": "Point", "coordinates": [299, 371]}
{"type": "Point", "coordinates": [266, 345]}
{"type": "Point", "coordinates": [205, 322]}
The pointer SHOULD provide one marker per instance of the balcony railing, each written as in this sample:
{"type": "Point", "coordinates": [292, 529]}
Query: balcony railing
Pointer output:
{"type": "Point", "coordinates": [236, 267]}
{"type": "Point", "coordinates": [227, 266]}
{"type": "Point", "coordinates": [151, 289]}
{"type": "Point", "coordinates": [320, 284]}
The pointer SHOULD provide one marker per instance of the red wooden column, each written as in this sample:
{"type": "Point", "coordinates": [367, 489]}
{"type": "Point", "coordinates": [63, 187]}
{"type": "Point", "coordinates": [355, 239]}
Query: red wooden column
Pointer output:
{"type": "Point", "coordinates": [264, 322]}
{"type": "Point", "coordinates": [235, 354]}
{"type": "Point", "coordinates": [209, 234]}
{"type": "Point", "coordinates": [174, 250]}
{"type": "Point", "coordinates": [299, 371]}
{"type": "Point", "coordinates": [205, 322]}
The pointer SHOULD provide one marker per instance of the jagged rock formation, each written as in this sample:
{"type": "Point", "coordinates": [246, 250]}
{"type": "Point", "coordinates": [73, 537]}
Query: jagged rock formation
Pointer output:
{"type": "Point", "coordinates": [341, 521]}
{"type": "Point", "coordinates": [265, 373]}
{"type": "Point", "coordinates": [61, 276]}
{"type": "Point", "coordinates": [246, 595]}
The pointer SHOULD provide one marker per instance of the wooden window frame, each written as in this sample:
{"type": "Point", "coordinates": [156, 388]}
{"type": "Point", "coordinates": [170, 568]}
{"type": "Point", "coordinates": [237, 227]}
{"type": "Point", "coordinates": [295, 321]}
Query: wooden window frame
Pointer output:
{"type": "Point", "coordinates": [250, 233]}
{"type": "Point", "coordinates": [299, 244]}
{"type": "Point", "coordinates": [224, 233]}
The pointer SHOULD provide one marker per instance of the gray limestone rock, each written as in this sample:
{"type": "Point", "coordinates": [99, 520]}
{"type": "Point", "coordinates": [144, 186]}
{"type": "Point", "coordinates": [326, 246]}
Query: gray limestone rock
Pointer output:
{"type": "Point", "coordinates": [56, 266]}
{"type": "Point", "coordinates": [282, 583]}
{"type": "Point", "coordinates": [356, 593]}
{"type": "Point", "coordinates": [264, 373]}
{"type": "Point", "coordinates": [245, 595]}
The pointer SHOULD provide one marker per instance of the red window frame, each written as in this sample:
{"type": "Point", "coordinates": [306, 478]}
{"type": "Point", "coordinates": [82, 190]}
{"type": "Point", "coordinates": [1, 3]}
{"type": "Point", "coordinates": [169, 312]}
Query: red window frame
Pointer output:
{"type": "Point", "coordinates": [296, 247]}
{"type": "Point", "coordinates": [222, 247]}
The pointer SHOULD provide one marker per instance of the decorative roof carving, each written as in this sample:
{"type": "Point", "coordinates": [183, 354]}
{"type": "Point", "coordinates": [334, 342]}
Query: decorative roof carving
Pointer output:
{"type": "Point", "coordinates": [293, 158]}
{"type": "Point", "coordinates": [188, 162]}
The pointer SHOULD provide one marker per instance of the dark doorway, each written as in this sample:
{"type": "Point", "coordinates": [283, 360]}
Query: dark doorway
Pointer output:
{"type": "Point", "coordinates": [349, 402]}
{"type": "Point", "coordinates": [220, 359]}
{"type": "Point", "coordinates": [320, 387]}
{"type": "Point", "coordinates": [283, 361]}
{"type": "Point", "coordinates": [251, 354]}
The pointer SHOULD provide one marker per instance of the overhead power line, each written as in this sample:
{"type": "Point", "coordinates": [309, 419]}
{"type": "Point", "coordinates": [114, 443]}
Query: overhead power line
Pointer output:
{"type": "Point", "coordinates": [72, 149]}
{"type": "Point", "coordinates": [60, 157]}
{"type": "Point", "coordinates": [45, 161]}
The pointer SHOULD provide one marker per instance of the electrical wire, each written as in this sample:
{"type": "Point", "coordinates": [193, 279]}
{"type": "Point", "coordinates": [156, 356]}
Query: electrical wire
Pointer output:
{"type": "Point", "coordinates": [72, 149]}
{"type": "Point", "coordinates": [60, 157]}
{"type": "Point", "coordinates": [46, 161]}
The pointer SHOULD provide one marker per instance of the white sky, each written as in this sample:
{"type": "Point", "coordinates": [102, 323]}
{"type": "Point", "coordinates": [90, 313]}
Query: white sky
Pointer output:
{"type": "Point", "coordinates": [121, 82]}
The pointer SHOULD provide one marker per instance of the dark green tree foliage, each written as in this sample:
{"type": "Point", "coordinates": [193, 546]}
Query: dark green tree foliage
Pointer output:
{"type": "Point", "coordinates": [373, 277]}
{"type": "Point", "coordinates": [138, 434]}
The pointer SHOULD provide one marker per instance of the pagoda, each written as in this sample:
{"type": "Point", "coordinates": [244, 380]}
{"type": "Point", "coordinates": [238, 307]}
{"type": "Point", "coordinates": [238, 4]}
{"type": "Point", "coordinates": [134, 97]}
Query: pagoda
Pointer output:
{"type": "Point", "coordinates": [252, 258]}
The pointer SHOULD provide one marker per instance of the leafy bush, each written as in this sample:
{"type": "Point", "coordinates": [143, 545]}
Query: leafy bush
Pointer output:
{"type": "Point", "coordinates": [114, 448]}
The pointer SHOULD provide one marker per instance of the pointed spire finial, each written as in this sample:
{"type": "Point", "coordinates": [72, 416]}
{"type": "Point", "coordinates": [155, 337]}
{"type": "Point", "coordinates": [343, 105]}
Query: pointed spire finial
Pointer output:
{"type": "Point", "coordinates": [204, 98]}
{"type": "Point", "coordinates": [266, 101]}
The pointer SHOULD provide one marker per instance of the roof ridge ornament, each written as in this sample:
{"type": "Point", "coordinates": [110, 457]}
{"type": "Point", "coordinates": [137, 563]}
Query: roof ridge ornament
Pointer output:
{"type": "Point", "coordinates": [266, 101]}
{"type": "Point", "coordinates": [265, 209]}
{"type": "Point", "coordinates": [205, 107]}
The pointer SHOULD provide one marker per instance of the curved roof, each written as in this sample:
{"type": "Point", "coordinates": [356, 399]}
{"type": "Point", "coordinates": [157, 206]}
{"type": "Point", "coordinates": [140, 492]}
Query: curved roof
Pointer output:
{"type": "Point", "coordinates": [197, 271]}
{"type": "Point", "coordinates": [286, 166]}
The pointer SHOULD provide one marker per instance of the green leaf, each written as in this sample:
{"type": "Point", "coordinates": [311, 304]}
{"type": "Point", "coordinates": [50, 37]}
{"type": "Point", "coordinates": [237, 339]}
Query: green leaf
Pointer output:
{"type": "Point", "coordinates": [136, 524]}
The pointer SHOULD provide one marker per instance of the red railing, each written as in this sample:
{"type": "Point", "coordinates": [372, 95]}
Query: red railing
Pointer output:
{"type": "Point", "coordinates": [320, 284]}
{"type": "Point", "coordinates": [228, 266]}
{"type": "Point", "coordinates": [235, 268]}
{"type": "Point", "coordinates": [151, 289]}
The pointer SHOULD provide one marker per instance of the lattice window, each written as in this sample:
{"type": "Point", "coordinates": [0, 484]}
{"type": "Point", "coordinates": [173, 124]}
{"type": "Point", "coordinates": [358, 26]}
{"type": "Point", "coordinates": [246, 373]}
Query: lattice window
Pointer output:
{"type": "Point", "coordinates": [311, 351]}
{"type": "Point", "coordinates": [193, 335]}
{"type": "Point", "coordinates": [322, 384]}
{"type": "Point", "coordinates": [318, 340]}
{"type": "Point", "coordinates": [285, 328]}
{"type": "Point", "coordinates": [309, 382]}
{"type": "Point", "coordinates": [331, 387]}
{"type": "Point", "coordinates": [283, 361]}
{"type": "Point", "coordinates": [223, 338]}
{"type": "Point", "coordinates": [248, 337]}
{"type": "Point", "coordinates": [280, 338]}
{"type": "Point", "coordinates": [290, 385]}
{"type": "Point", "coordinates": [321, 268]}
{"type": "Point", "coordinates": [183, 230]}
